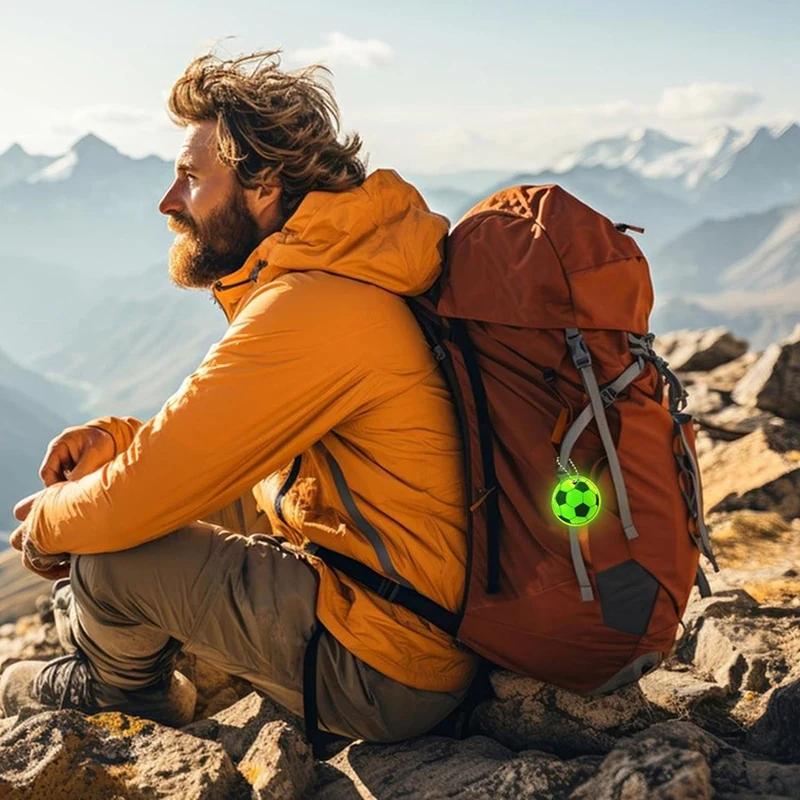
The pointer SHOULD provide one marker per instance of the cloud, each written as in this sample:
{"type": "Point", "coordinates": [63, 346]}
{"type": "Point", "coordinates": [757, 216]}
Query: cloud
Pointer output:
{"type": "Point", "coordinates": [701, 100]}
{"type": "Point", "coordinates": [338, 48]}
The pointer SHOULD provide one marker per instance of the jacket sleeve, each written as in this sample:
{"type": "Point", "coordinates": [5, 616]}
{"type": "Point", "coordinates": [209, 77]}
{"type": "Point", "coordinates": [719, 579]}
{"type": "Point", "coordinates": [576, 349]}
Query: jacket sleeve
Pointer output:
{"type": "Point", "coordinates": [287, 371]}
{"type": "Point", "coordinates": [122, 430]}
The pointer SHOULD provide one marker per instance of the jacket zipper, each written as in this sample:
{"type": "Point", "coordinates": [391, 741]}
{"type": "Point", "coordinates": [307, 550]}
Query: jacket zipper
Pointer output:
{"type": "Point", "coordinates": [287, 484]}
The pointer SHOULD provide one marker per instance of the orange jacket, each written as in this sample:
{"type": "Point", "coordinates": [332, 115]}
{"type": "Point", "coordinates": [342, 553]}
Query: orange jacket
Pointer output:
{"type": "Point", "coordinates": [320, 354]}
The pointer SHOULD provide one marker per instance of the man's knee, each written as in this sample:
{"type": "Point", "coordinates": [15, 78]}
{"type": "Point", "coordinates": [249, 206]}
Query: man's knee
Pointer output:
{"type": "Point", "coordinates": [92, 575]}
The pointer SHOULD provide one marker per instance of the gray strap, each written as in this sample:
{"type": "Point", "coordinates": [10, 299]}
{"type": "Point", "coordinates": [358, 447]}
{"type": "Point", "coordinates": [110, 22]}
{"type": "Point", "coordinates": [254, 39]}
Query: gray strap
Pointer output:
{"type": "Point", "coordinates": [705, 541]}
{"type": "Point", "coordinates": [583, 363]}
{"type": "Point", "coordinates": [587, 595]}
{"type": "Point", "coordinates": [363, 525]}
{"type": "Point", "coordinates": [618, 385]}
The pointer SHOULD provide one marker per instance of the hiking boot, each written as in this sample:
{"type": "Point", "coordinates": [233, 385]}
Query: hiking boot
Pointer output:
{"type": "Point", "coordinates": [67, 682]}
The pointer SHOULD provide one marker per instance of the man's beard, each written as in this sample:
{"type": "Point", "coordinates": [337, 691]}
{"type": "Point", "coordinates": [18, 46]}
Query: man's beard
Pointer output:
{"type": "Point", "coordinates": [199, 258]}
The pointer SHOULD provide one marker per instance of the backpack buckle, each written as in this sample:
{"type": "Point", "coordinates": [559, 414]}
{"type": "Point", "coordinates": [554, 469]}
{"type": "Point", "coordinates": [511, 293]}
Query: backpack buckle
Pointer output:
{"type": "Point", "coordinates": [578, 349]}
{"type": "Point", "coordinates": [388, 590]}
{"type": "Point", "coordinates": [608, 396]}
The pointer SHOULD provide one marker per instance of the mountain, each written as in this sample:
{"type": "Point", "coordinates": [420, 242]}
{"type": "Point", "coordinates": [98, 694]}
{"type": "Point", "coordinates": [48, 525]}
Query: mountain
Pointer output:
{"type": "Point", "coordinates": [39, 302]}
{"type": "Point", "coordinates": [26, 427]}
{"type": "Point", "coordinates": [57, 398]}
{"type": "Point", "coordinates": [635, 150]}
{"type": "Point", "coordinates": [92, 209]}
{"type": "Point", "coordinates": [749, 253]}
{"type": "Point", "coordinates": [16, 165]}
{"type": "Point", "coordinates": [133, 348]}
{"type": "Point", "coordinates": [727, 172]}
{"type": "Point", "coordinates": [761, 175]}
{"type": "Point", "coordinates": [742, 272]}
{"type": "Point", "coordinates": [618, 193]}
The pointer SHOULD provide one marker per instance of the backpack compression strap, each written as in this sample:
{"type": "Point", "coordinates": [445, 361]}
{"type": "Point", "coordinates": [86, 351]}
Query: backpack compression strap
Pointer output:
{"type": "Point", "coordinates": [583, 363]}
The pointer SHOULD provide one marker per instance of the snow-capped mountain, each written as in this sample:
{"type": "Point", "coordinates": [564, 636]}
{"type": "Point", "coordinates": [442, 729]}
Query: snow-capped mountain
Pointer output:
{"type": "Point", "coordinates": [16, 165]}
{"type": "Point", "coordinates": [635, 150]}
{"type": "Point", "coordinates": [727, 172]}
{"type": "Point", "coordinates": [92, 208]}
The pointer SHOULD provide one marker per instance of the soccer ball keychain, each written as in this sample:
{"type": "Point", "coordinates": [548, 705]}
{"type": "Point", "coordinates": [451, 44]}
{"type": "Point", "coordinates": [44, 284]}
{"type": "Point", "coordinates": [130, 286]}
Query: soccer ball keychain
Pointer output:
{"type": "Point", "coordinates": [576, 500]}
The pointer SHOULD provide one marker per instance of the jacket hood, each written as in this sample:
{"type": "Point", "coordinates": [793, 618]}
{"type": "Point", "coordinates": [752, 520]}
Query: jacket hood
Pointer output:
{"type": "Point", "coordinates": [381, 232]}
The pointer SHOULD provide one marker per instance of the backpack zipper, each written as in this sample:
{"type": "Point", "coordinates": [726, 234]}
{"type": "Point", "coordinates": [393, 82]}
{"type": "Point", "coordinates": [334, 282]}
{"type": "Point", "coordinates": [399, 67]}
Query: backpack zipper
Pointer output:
{"type": "Point", "coordinates": [285, 486]}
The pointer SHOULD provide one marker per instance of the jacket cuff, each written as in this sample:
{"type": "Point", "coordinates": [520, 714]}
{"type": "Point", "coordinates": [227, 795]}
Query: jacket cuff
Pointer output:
{"type": "Point", "coordinates": [122, 430]}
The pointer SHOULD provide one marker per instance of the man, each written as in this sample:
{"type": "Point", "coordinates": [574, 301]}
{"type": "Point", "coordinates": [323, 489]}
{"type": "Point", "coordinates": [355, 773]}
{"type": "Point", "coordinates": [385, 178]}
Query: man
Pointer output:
{"type": "Point", "coordinates": [319, 418]}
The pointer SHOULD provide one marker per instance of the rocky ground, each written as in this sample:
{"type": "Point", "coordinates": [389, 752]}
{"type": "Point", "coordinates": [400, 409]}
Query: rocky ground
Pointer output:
{"type": "Point", "coordinates": [720, 719]}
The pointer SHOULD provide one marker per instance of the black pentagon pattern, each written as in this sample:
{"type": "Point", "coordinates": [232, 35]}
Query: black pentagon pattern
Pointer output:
{"type": "Point", "coordinates": [582, 486]}
{"type": "Point", "coordinates": [561, 497]}
{"type": "Point", "coordinates": [582, 510]}
{"type": "Point", "coordinates": [628, 595]}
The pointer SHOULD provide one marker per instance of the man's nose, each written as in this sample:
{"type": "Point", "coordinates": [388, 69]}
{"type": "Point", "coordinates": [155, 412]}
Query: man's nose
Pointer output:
{"type": "Point", "coordinates": [171, 202]}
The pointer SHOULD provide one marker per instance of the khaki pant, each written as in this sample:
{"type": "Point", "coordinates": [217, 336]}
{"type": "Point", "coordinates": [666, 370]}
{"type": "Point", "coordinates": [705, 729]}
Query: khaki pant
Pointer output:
{"type": "Point", "coordinates": [244, 605]}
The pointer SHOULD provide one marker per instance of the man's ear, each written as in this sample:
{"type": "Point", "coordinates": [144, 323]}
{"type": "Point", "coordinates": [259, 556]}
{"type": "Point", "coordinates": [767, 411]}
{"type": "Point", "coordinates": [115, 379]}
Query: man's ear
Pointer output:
{"type": "Point", "coordinates": [264, 204]}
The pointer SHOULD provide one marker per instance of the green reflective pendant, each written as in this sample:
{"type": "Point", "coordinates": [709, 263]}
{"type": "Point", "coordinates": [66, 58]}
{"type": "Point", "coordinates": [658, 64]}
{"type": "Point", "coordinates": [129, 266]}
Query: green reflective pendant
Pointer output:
{"type": "Point", "coordinates": [576, 501]}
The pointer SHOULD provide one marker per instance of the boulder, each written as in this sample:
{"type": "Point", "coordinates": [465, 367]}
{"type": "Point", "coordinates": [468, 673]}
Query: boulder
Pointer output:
{"type": "Point", "coordinates": [699, 350]}
{"type": "Point", "coordinates": [760, 471]}
{"type": "Point", "coordinates": [773, 382]}
{"type": "Point", "coordinates": [279, 763]}
{"type": "Point", "coordinates": [237, 727]}
{"type": "Point", "coordinates": [526, 713]}
{"type": "Point", "coordinates": [67, 755]}
{"type": "Point", "coordinates": [732, 422]}
{"type": "Point", "coordinates": [266, 743]}
{"type": "Point", "coordinates": [724, 378]}
{"type": "Point", "coordinates": [677, 761]}
{"type": "Point", "coordinates": [651, 766]}
{"type": "Point", "coordinates": [777, 733]}
{"type": "Point", "coordinates": [434, 767]}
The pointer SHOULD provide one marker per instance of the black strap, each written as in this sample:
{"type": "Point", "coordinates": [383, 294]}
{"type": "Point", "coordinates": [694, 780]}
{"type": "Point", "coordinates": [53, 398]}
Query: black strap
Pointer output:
{"type": "Point", "coordinates": [388, 589]}
{"type": "Point", "coordinates": [310, 711]}
{"type": "Point", "coordinates": [491, 500]}
{"type": "Point", "coordinates": [701, 582]}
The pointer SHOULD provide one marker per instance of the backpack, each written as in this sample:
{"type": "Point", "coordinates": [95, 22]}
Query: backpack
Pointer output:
{"type": "Point", "coordinates": [585, 519]}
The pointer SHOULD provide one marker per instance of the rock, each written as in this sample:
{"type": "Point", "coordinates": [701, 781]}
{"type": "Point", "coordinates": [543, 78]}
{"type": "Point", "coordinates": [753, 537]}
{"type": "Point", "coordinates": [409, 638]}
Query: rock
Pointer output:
{"type": "Point", "coordinates": [648, 767]}
{"type": "Point", "coordinates": [434, 767]}
{"type": "Point", "coordinates": [771, 479]}
{"type": "Point", "coordinates": [742, 538]}
{"type": "Point", "coordinates": [723, 379]}
{"type": "Point", "coordinates": [717, 656]}
{"type": "Point", "coordinates": [732, 422]}
{"type": "Point", "coordinates": [279, 763]}
{"type": "Point", "coordinates": [777, 733]}
{"type": "Point", "coordinates": [678, 693]}
{"type": "Point", "coordinates": [6, 724]}
{"type": "Point", "coordinates": [215, 689]}
{"type": "Point", "coordinates": [219, 702]}
{"type": "Point", "coordinates": [699, 350]}
{"type": "Point", "coordinates": [65, 754]}
{"type": "Point", "coordinates": [237, 727]}
{"type": "Point", "coordinates": [773, 382]}
{"type": "Point", "coordinates": [703, 401]}
{"type": "Point", "coordinates": [529, 714]}
{"type": "Point", "coordinates": [678, 760]}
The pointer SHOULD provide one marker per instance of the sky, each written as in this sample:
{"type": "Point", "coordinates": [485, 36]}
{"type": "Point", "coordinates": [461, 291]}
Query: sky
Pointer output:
{"type": "Point", "coordinates": [430, 86]}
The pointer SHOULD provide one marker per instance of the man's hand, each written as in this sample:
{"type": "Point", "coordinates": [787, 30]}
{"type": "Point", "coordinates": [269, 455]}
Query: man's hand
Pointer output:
{"type": "Point", "coordinates": [74, 453]}
{"type": "Point", "coordinates": [46, 566]}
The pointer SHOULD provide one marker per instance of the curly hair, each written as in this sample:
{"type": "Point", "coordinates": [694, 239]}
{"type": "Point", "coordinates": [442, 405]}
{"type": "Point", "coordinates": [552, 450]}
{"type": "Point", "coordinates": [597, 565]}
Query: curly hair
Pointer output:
{"type": "Point", "coordinates": [271, 124]}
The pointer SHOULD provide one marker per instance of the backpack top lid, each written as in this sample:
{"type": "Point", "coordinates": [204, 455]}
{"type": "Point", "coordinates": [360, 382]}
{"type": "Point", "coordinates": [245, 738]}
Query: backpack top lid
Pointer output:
{"type": "Point", "coordinates": [537, 257]}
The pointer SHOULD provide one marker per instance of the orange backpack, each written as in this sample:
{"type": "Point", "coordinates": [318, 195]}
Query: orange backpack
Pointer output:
{"type": "Point", "coordinates": [540, 324]}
